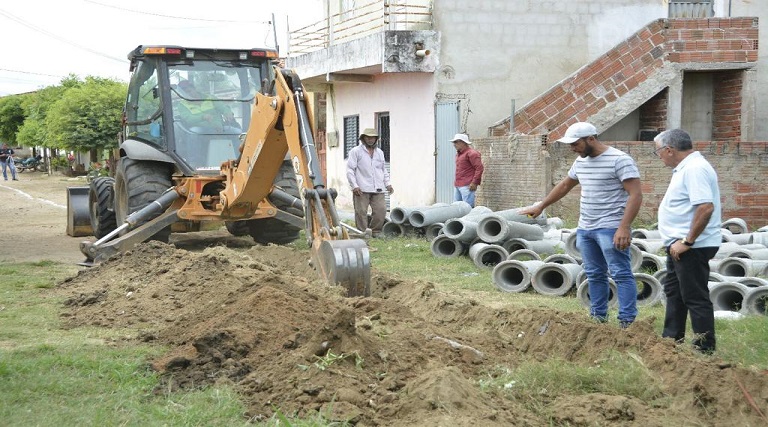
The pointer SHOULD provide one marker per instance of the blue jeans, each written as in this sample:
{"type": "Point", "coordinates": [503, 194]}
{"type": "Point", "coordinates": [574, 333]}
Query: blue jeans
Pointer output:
{"type": "Point", "coordinates": [464, 194]}
{"type": "Point", "coordinates": [600, 257]}
{"type": "Point", "coordinates": [8, 164]}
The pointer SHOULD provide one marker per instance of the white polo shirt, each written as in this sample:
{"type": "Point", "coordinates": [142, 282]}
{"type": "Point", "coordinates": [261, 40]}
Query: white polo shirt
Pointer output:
{"type": "Point", "coordinates": [693, 182]}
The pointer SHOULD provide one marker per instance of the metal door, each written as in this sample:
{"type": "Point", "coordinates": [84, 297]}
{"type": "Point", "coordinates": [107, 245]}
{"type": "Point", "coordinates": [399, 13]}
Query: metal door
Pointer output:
{"type": "Point", "coordinates": [446, 126]}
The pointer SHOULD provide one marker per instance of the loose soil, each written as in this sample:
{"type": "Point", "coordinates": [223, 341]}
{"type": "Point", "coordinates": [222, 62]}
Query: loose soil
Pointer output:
{"type": "Point", "coordinates": [258, 318]}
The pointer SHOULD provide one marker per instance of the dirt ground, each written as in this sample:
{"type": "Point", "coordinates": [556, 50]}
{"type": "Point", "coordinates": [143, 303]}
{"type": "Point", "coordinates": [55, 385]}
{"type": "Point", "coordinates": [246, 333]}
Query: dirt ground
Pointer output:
{"type": "Point", "coordinates": [257, 318]}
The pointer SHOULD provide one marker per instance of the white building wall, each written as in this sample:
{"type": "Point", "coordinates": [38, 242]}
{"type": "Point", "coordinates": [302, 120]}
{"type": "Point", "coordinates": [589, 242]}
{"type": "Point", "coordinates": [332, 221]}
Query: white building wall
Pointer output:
{"type": "Point", "coordinates": [409, 99]}
{"type": "Point", "coordinates": [499, 50]}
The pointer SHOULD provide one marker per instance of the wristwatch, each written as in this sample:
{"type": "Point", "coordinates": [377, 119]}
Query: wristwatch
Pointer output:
{"type": "Point", "coordinates": [686, 242]}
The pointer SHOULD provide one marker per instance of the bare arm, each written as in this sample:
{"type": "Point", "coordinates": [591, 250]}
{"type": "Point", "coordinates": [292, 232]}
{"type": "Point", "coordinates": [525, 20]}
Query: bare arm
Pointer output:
{"type": "Point", "coordinates": [561, 189]}
{"type": "Point", "coordinates": [623, 236]}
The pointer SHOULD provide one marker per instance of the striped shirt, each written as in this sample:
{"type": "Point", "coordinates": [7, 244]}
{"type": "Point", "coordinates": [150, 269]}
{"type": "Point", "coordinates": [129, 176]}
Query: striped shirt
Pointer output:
{"type": "Point", "coordinates": [603, 198]}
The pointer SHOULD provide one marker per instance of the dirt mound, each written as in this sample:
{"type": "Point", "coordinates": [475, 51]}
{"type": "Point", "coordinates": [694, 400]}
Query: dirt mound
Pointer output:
{"type": "Point", "coordinates": [260, 320]}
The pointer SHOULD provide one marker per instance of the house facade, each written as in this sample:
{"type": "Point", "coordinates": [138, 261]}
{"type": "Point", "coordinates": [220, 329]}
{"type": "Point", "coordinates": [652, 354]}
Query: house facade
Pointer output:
{"type": "Point", "coordinates": [420, 71]}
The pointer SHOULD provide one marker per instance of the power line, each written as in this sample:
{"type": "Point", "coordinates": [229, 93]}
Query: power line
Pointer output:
{"type": "Point", "coordinates": [30, 72]}
{"type": "Point", "coordinates": [18, 20]}
{"type": "Point", "coordinates": [141, 12]}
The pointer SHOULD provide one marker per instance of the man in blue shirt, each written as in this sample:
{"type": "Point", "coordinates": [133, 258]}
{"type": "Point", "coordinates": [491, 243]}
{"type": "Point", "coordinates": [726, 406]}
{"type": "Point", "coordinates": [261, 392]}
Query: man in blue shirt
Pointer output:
{"type": "Point", "coordinates": [689, 224]}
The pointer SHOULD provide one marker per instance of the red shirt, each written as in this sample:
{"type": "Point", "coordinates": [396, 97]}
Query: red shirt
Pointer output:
{"type": "Point", "coordinates": [469, 168]}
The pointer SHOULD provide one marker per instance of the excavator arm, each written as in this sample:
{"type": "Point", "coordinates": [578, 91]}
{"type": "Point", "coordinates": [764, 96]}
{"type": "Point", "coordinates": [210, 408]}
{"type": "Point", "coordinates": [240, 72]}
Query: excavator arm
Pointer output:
{"type": "Point", "coordinates": [280, 124]}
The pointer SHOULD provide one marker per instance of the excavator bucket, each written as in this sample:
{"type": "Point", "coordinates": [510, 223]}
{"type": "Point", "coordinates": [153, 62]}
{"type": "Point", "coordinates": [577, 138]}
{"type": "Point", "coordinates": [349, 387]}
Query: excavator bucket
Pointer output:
{"type": "Point", "coordinates": [78, 212]}
{"type": "Point", "coordinates": [346, 263]}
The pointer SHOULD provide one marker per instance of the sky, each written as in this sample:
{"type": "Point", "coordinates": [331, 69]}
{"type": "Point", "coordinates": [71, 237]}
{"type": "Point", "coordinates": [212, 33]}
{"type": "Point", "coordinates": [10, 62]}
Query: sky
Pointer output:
{"type": "Point", "coordinates": [43, 41]}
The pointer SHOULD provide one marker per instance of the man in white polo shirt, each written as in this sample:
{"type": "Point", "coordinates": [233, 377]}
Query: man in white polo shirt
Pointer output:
{"type": "Point", "coordinates": [689, 224]}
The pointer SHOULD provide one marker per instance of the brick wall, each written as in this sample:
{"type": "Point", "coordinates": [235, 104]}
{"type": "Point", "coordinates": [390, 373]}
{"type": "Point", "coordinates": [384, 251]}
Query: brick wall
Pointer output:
{"type": "Point", "coordinates": [653, 114]}
{"type": "Point", "coordinates": [520, 171]}
{"type": "Point", "coordinates": [726, 107]}
{"type": "Point", "coordinates": [600, 83]}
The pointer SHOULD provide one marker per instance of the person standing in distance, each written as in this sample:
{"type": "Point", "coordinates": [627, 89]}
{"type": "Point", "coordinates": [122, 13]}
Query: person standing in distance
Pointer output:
{"type": "Point", "coordinates": [368, 178]}
{"type": "Point", "coordinates": [689, 224]}
{"type": "Point", "coordinates": [469, 169]}
{"type": "Point", "coordinates": [610, 199]}
{"type": "Point", "coordinates": [6, 158]}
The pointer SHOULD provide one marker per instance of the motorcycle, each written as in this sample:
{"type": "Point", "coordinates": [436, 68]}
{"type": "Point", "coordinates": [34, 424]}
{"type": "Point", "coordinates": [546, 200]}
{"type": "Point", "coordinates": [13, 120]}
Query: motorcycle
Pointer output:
{"type": "Point", "coordinates": [31, 163]}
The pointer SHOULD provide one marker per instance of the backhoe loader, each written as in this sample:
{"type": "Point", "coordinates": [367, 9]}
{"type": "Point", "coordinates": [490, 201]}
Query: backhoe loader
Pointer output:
{"type": "Point", "coordinates": [218, 135]}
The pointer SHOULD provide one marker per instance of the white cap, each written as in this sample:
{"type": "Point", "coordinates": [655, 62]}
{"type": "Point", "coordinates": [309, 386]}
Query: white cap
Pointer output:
{"type": "Point", "coordinates": [577, 131]}
{"type": "Point", "coordinates": [461, 137]}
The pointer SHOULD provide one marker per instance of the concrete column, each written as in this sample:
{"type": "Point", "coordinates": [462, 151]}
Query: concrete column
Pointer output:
{"type": "Point", "coordinates": [675, 103]}
{"type": "Point", "coordinates": [748, 105]}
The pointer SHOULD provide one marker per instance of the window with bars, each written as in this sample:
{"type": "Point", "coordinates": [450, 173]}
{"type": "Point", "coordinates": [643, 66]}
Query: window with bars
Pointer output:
{"type": "Point", "coordinates": [351, 133]}
{"type": "Point", "coordinates": [382, 120]}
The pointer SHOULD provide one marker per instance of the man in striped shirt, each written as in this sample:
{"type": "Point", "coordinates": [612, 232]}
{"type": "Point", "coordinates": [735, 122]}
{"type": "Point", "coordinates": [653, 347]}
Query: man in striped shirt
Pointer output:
{"type": "Point", "coordinates": [610, 199]}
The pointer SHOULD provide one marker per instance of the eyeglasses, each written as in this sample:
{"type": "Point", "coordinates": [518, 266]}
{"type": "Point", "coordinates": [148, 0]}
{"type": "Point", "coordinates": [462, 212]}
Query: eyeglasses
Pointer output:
{"type": "Point", "coordinates": [656, 151]}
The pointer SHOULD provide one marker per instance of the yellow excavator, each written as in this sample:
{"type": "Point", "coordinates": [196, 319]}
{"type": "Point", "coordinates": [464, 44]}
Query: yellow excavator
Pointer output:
{"type": "Point", "coordinates": [218, 135]}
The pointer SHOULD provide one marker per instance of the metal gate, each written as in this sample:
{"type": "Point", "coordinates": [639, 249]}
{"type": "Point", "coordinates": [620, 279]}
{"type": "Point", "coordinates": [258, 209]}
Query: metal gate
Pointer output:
{"type": "Point", "coordinates": [446, 126]}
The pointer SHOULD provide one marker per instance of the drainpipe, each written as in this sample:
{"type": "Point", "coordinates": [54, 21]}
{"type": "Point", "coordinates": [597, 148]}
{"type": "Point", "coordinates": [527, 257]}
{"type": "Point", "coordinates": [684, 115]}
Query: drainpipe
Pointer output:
{"type": "Point", "coordinates": [431, 215]}
{"type": "Point", "coordinates": [515, 276]}
{"type": "Point", "coordinates": [487, 256]}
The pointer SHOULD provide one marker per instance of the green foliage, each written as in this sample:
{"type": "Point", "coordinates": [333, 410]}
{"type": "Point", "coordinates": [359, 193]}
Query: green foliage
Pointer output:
{"type": "Point", "coordinates": [34, 131]}
{"type": "Point", "coordinates": [87, 117]}
{"type": "Point", "coordinates": [11, 118]}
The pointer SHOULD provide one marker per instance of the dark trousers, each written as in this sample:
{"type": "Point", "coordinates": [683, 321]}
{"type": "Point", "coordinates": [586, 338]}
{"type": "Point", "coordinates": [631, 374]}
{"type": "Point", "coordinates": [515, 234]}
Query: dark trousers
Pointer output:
{"type": "Point", "coordinates": [685, 286]}
{"type": "Point", "coordinates": [378, 204]}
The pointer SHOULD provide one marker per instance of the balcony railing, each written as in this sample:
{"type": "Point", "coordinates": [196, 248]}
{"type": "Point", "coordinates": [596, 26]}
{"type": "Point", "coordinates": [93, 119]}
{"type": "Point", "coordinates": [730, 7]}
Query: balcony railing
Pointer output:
{"type": "Point", "coordinates": [360, 21]}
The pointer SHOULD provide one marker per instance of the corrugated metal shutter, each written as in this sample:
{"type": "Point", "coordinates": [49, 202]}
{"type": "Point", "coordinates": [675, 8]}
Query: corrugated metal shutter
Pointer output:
{"type": "Point", "coordinates": [691, 9]}
{"type": "Point", "coordinates": [446, 126]}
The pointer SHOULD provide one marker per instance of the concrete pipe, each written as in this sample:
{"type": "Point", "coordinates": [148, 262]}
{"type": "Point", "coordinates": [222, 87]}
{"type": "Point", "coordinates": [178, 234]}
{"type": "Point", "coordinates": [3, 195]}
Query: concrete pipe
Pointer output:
{"type": "Point", "coordinates": [514, 276]}
{"type": "Point", "coordinates": [445, 247]}
{"type": "Point", "coordinates": [555, 279]}
{"type": "Point", "coordinates": [728, 296]}
{"type": "Point", "coordinates": [762, 229]}
{"type": "Point", "coordinates": [539, 246]}
{"type": "Point", "coordinates": [758, 254]}
{"type": "Point", "coordinates": [496, 229]}
{"type": "Point", "coordinates": [582, 294]}
{"type": "Point", "coordinates": [571, 249]}
{"type": "Point", "coordinates": [725, 249]}
{"type": "Point", "coordinates": [739, 239]}
{"type": "Point", "coordinates": [635, 257]}
{"type": "Point", "coordinates": [756, 301]}
{"type": "Point", "coordinates": [514, 215]}
{"type": "Point", "coordinates": [523, 255]}
{"type": "Point", "coordinates": [652, 263]}
{"type": "Point", "coordinates": [465, 228]}
{"type": "Point", "coordinates": [717, 277]}
{"type": "Point", "coordinates": [759, 237]}
{"type": "Point", "coordinates": [487, 256]}
{"type": "Point", "coordinates": [735, 225]}
{"type": "Point", "coordinates": [391, 229]}
{"type": "Point", "coordinates": [560, 259]}
{"type": "Point", "coordinates": [714, 264]}
{"type": "Point", "coordinates": [742, 267]}
{"type": "Point", "coordinates": [555, 223]}
{"type": "Point", "coordinates": [400, 214]}
{"type": "Point", "coordinates": [649, 290]}
{"type": "Point", "coordinates": [750, 282]}
{"type": "Point", "coordinates": [652, 246]}
{"type": "Point", "coordinates": [642, 233]}
{"type": "Point", "coordinates": [434, 230]}
{"type": "Point", "coordinates": [434, 214]}
{"type": "Point", "coordinates": [660, 275]}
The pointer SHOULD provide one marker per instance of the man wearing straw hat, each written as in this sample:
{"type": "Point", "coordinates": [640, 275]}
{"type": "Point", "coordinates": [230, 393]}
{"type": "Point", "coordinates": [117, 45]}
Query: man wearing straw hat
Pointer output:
{"type": "Point", "coordinates": [369, 179]}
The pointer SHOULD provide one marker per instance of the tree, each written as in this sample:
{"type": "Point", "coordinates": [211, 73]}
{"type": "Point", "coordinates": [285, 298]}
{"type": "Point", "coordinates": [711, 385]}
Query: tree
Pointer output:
{"type": "Point", "coordinates": [34, 131]}
{"type": "Point", "coordinates": [87, 117]}
{"type": "Point", "coordinates": [11, 118]}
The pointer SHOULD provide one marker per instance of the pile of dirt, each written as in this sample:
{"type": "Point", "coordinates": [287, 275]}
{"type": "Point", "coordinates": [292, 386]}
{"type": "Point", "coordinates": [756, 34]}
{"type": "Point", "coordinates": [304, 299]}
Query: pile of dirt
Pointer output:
{"type": "Point", "coordinates": [260, 320]}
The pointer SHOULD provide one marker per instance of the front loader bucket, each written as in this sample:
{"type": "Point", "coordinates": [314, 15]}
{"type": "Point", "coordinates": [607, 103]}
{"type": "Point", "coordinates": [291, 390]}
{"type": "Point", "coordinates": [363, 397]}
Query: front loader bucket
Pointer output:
{"type": "Point", "coordinates": [78, 212]}
{"type": "Point", "coordinates": [346, 263]}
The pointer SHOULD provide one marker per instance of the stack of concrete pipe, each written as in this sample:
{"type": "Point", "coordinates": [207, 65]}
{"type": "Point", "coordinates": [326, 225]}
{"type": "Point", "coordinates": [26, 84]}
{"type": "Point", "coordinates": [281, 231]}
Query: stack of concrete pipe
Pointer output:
{"type": "Point", "coordinates": [738, 280]}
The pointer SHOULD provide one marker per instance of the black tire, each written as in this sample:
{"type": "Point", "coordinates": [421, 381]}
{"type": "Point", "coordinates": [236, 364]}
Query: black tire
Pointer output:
{"type": "Point", "coordinates": [237, 228]}
{"type": "Point", "coordinates": [20, 169]}
{"type": "Point", "coordinates": [102, 209]}
{"type": "Point", "coordinates": [270, 230]}
{"type": "Point", "coordinates": [40, 167]}
{"type": "Point", "coordinates": [137, 184]}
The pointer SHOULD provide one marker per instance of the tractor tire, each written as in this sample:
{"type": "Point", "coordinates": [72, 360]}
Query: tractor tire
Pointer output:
{"type": "Point", "coordinates": [237, 228]}
{"type": "Point", "coordinates": [270, 230]}
{"type": "Point", "coordinates": [102, 212]}
{"type": "Point", "coordinates": [137, 184]}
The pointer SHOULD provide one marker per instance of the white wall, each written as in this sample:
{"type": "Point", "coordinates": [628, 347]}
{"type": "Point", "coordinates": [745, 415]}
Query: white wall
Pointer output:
{"type": "Point", "coordinates": [409, 99]}
{"type": "Point", "coordinates": [499, 50]}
